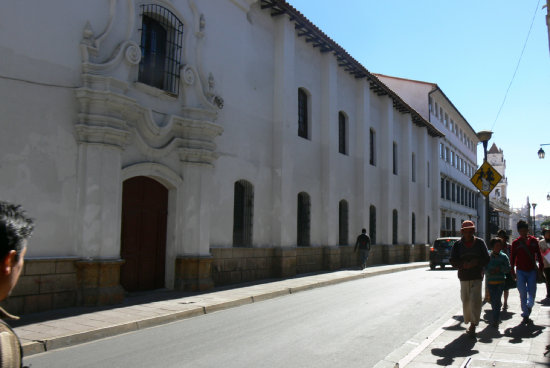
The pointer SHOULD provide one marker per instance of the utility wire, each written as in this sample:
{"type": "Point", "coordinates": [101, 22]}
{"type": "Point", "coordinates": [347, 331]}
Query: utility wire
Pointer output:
{"type": "Point", "coordinates": [517, 66]}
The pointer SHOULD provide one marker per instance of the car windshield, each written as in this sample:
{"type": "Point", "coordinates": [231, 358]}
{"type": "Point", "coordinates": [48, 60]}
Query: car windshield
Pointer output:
{"type": "Point", "coordinates": [444, 243]}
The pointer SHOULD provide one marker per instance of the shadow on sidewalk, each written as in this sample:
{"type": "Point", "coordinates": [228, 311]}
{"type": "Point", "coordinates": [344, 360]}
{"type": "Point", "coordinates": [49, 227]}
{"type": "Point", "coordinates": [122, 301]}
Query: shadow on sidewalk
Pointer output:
{"type": "Point", "coordinates": [521, 332]}
{"type": "Point", "coordinates": [460, 347]}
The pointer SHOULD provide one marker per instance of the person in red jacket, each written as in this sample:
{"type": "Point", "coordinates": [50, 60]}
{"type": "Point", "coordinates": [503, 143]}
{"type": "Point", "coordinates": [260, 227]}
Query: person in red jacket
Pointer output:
{"type": "Point", "coordinates": [525, 254]}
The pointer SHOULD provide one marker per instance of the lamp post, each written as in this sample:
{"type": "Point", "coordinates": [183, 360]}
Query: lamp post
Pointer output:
{"type": "Point", "coordinates": [484, 137]}
{"type": "Point", "coordinates": [534, 218]}
{"type": "Point", "coordinates": [541, 152]}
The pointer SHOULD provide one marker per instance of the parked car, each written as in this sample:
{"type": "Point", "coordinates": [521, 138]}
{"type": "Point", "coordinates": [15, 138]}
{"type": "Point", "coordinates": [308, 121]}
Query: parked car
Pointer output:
{"type": "Point", "coordinates": [441, 251]}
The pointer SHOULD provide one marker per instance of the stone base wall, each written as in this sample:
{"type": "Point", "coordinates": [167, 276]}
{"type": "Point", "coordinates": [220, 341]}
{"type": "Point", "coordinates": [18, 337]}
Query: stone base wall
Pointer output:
{"type": "Point", "coordinates": [236, 265]}
{"type": "Point", "coordinates": [47, 284]}
{"type": "Point", "coordinates": [193, 273]}
{"type": "Point", "coordinates": [44, 284]}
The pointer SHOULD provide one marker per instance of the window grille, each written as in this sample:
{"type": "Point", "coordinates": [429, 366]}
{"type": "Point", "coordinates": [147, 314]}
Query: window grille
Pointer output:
{"type": "Point", "coordinates": [161, 46]}
{"type": "Point", "coordinates": [342, 133]}
{"type": "Point", "coordinates": [304, 206]}
{"type": "Point", "coordinates": [343, 222]}
{"type": "Point", "coordinates": [394, 227]}
{"type": "Point", "coordinates": [428, 231]}
{"type": "Point", "coordinates": [394, 158]}
{"type": "Point", "coordinates": [243, 214]}
{"type": "Point", "coordinates": [372, 224]}
{"type": "Point", "coordinates": [413, 167]}
{"type": "Point", "coordinates": [302, 114]}
{"type": "Point", "coordinates": [372, 158]}
{"type": "Point", "coordinates": [413, 230]}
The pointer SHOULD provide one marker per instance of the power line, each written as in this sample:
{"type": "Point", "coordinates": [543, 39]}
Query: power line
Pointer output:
{"type": "Point", "coordinates": [517, 66]}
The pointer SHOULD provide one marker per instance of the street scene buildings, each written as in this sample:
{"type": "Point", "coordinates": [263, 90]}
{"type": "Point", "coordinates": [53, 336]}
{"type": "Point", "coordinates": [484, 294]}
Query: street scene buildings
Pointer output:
{"type": "Point", "coordinates": [457, 160]}
{"type": "Point", "coordinates": [499, 203]}
{"type": "Point", "coordinates": [157, 148]}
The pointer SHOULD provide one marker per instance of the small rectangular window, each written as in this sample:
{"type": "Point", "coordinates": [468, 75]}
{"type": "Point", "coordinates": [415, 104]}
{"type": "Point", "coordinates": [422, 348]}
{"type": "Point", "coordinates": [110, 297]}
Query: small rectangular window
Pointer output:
{"type": "Point", "coordinates": [413, 168]}
{"type": "Point", "coordinates": [394, 158]}
{"type": "Point", "coordinates": [302, 114]}
{"type": "Point", "coordinates": [342, 133]}
{"type": "Point", "coordinates": [372, 148]}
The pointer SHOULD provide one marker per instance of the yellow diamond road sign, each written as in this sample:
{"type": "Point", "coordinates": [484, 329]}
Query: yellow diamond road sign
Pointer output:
{"type": "Point", "coordinates": [486, 178]}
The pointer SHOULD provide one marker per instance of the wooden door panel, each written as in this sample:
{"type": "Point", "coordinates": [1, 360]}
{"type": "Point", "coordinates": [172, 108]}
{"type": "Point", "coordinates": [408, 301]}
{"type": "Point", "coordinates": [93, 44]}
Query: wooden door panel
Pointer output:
{"type": "Point", "coordinates": [143, 242]}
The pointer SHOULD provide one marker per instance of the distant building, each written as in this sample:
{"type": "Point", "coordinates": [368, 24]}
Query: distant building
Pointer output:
{"type": "Point", "coordinates": [499, 203]}
{"type": "Point", "coordinates": [457, 151]}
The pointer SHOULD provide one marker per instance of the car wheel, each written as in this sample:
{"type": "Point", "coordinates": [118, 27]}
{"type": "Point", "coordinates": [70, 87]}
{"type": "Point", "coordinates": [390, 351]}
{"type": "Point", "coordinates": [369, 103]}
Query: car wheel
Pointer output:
{"type": "Point", "coordinates": [432, 266]}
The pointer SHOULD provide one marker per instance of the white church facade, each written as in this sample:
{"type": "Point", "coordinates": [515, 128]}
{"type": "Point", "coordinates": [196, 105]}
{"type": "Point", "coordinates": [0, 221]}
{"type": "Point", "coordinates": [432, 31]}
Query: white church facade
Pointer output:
{"type": "Point", "coordinates": [187, 144]}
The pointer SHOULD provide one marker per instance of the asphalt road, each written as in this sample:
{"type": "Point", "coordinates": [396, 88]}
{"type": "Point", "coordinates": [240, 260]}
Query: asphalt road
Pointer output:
{"type": "Point", "coordinates": [353, 324]}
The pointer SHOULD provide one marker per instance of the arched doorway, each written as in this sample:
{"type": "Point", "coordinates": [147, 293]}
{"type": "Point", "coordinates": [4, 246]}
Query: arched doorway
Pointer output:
{"type": "Point", "coordinates": [143, 235]}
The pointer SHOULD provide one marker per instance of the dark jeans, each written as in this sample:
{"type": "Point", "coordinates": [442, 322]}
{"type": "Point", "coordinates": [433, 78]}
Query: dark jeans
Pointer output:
{"type": "Point", "coordinates": [495, 291]}
{"type": "Point", "coordinates": [364, 257]}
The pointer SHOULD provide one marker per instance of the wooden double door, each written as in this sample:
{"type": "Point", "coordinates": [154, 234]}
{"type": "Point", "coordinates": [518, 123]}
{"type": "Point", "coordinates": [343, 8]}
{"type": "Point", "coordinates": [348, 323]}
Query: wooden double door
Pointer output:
{"type": "Point", "coordinates": [143, 235]}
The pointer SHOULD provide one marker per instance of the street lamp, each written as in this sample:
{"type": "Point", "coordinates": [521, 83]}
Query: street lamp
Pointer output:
{"type": "Point", "coordinates": [484, 136]}
{"type": "Point", "coordinates": [541, 152]}
{"type": "Point", "coordinates": [534, 218]}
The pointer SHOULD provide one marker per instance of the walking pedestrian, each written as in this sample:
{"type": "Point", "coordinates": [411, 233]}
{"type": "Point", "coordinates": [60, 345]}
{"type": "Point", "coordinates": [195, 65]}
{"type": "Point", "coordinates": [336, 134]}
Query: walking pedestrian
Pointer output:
{"type": "Point", "coordinates": [15, 229]}
{"type": "Point", "coordinates": [510, 282]}
{"type": "Point", "coordinates": [470, 255]}
{"type": "Point", "coordinates": [498, 267]}
{"type": "Point", "coordinates": [363, 244]}
{"type": "Point", "coordinates": [525, 250]}
{"type": "Point", "coordinates": [544, 245]}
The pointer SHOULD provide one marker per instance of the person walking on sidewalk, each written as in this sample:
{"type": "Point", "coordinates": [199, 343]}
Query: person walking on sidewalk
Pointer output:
{"type": "Point", "coordinates": [525, 249]}
{"type": "Point", "coordinates": [15, 229]}
{"type": "Point", "coordinates": [498, 267]}
{"type": "Point", "coordinates": [544, 245]}
{"type": "Point", "coordinates": [470, 255]}
{"type": "Point", "coordinates": [510, 281]}
{"type": "Point", "coordinates": [363, 243]}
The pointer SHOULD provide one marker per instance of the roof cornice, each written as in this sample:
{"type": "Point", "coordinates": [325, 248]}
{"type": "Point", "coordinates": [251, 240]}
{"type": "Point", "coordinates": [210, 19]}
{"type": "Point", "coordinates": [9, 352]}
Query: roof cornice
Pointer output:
{"type": "Point", "coordinates": [305, 28]}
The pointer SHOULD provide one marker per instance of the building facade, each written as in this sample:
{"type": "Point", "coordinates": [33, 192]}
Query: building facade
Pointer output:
{"type": "Point", "coordinates": [498, 199]}
{"type": "Point", "coordinates": [457, 161]}
{"type": "Point", "coordinates": [156, 147]}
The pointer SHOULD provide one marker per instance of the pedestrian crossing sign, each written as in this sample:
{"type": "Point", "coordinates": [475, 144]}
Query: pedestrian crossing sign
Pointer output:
{"type": "Point", "coordinates": [486, 178]}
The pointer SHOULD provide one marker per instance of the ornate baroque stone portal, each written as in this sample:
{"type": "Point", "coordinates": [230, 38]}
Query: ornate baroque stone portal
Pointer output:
{"type": "Point", "coordinates": [116, 111]}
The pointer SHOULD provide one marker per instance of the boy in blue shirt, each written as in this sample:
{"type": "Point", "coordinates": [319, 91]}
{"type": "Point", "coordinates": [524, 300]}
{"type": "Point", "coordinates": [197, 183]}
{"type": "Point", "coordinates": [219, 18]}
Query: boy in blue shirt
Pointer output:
{"type": "Point", "coordinates": [496, 270]}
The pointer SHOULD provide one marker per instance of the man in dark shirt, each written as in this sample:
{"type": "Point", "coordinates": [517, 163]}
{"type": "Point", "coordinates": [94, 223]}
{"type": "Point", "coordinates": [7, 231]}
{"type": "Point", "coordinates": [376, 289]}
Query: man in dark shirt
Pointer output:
{"type": "Point", "coordinates": [363, 243]}
{"type": "Point", "coordinates": [525, 250]}
{"type": "Point", "coordinates": [15, 229]}
{"type": "Point", "coordinates": [470, 255]}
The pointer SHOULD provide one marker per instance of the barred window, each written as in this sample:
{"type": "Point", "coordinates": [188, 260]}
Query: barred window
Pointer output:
{"type": "Point", "coordinates": [394, 158]}
{"type": "Point", "coordinates": [428, 231]}
{"type": "Point", "coordinates": [342, 133]}
{"type": "Point", "coordinates": [303, 121]}
{"type": "Point", "coordinates": [372, 224]}
{"type": "Point", "coordinates": [394, 227]}
{"type": "Point", "coordinates": [343, 222]}
{"type": "Point", "coordinates": [304, 207]}
{"type": "Point", "coordinates": [161, 44]}
{"type": "Point", "coordinates": [413, 228]}
{"type": "Point", "coordinates": [372, 152]}
{"type": "Point", "coordinates": [243, 214]}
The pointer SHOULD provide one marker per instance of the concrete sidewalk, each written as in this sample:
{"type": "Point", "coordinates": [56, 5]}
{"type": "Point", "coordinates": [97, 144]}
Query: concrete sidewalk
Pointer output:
{"type": "Point", "coordinates": [57, 329]}
{"type": "Point", "coordinates": [512, 345]}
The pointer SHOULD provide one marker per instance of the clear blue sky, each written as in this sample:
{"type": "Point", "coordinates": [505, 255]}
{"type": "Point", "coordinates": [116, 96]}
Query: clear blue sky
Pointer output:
{"type": "Point", "coordinates": [470, 48]}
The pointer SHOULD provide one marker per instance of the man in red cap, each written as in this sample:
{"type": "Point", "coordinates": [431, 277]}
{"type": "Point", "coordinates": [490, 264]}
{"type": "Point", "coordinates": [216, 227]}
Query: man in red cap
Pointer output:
{"type": "Point", "coordinates": [470, 255]}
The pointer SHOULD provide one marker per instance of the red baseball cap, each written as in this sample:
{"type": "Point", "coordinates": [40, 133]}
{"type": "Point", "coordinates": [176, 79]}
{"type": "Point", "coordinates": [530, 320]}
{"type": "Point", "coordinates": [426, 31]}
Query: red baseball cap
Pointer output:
{"type": "Point", "coordinates": [468, 225]}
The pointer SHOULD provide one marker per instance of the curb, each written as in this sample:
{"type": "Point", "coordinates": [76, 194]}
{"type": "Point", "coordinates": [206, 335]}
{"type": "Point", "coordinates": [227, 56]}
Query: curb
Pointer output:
{"type": "Point", "coordinates": [41, 346]}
